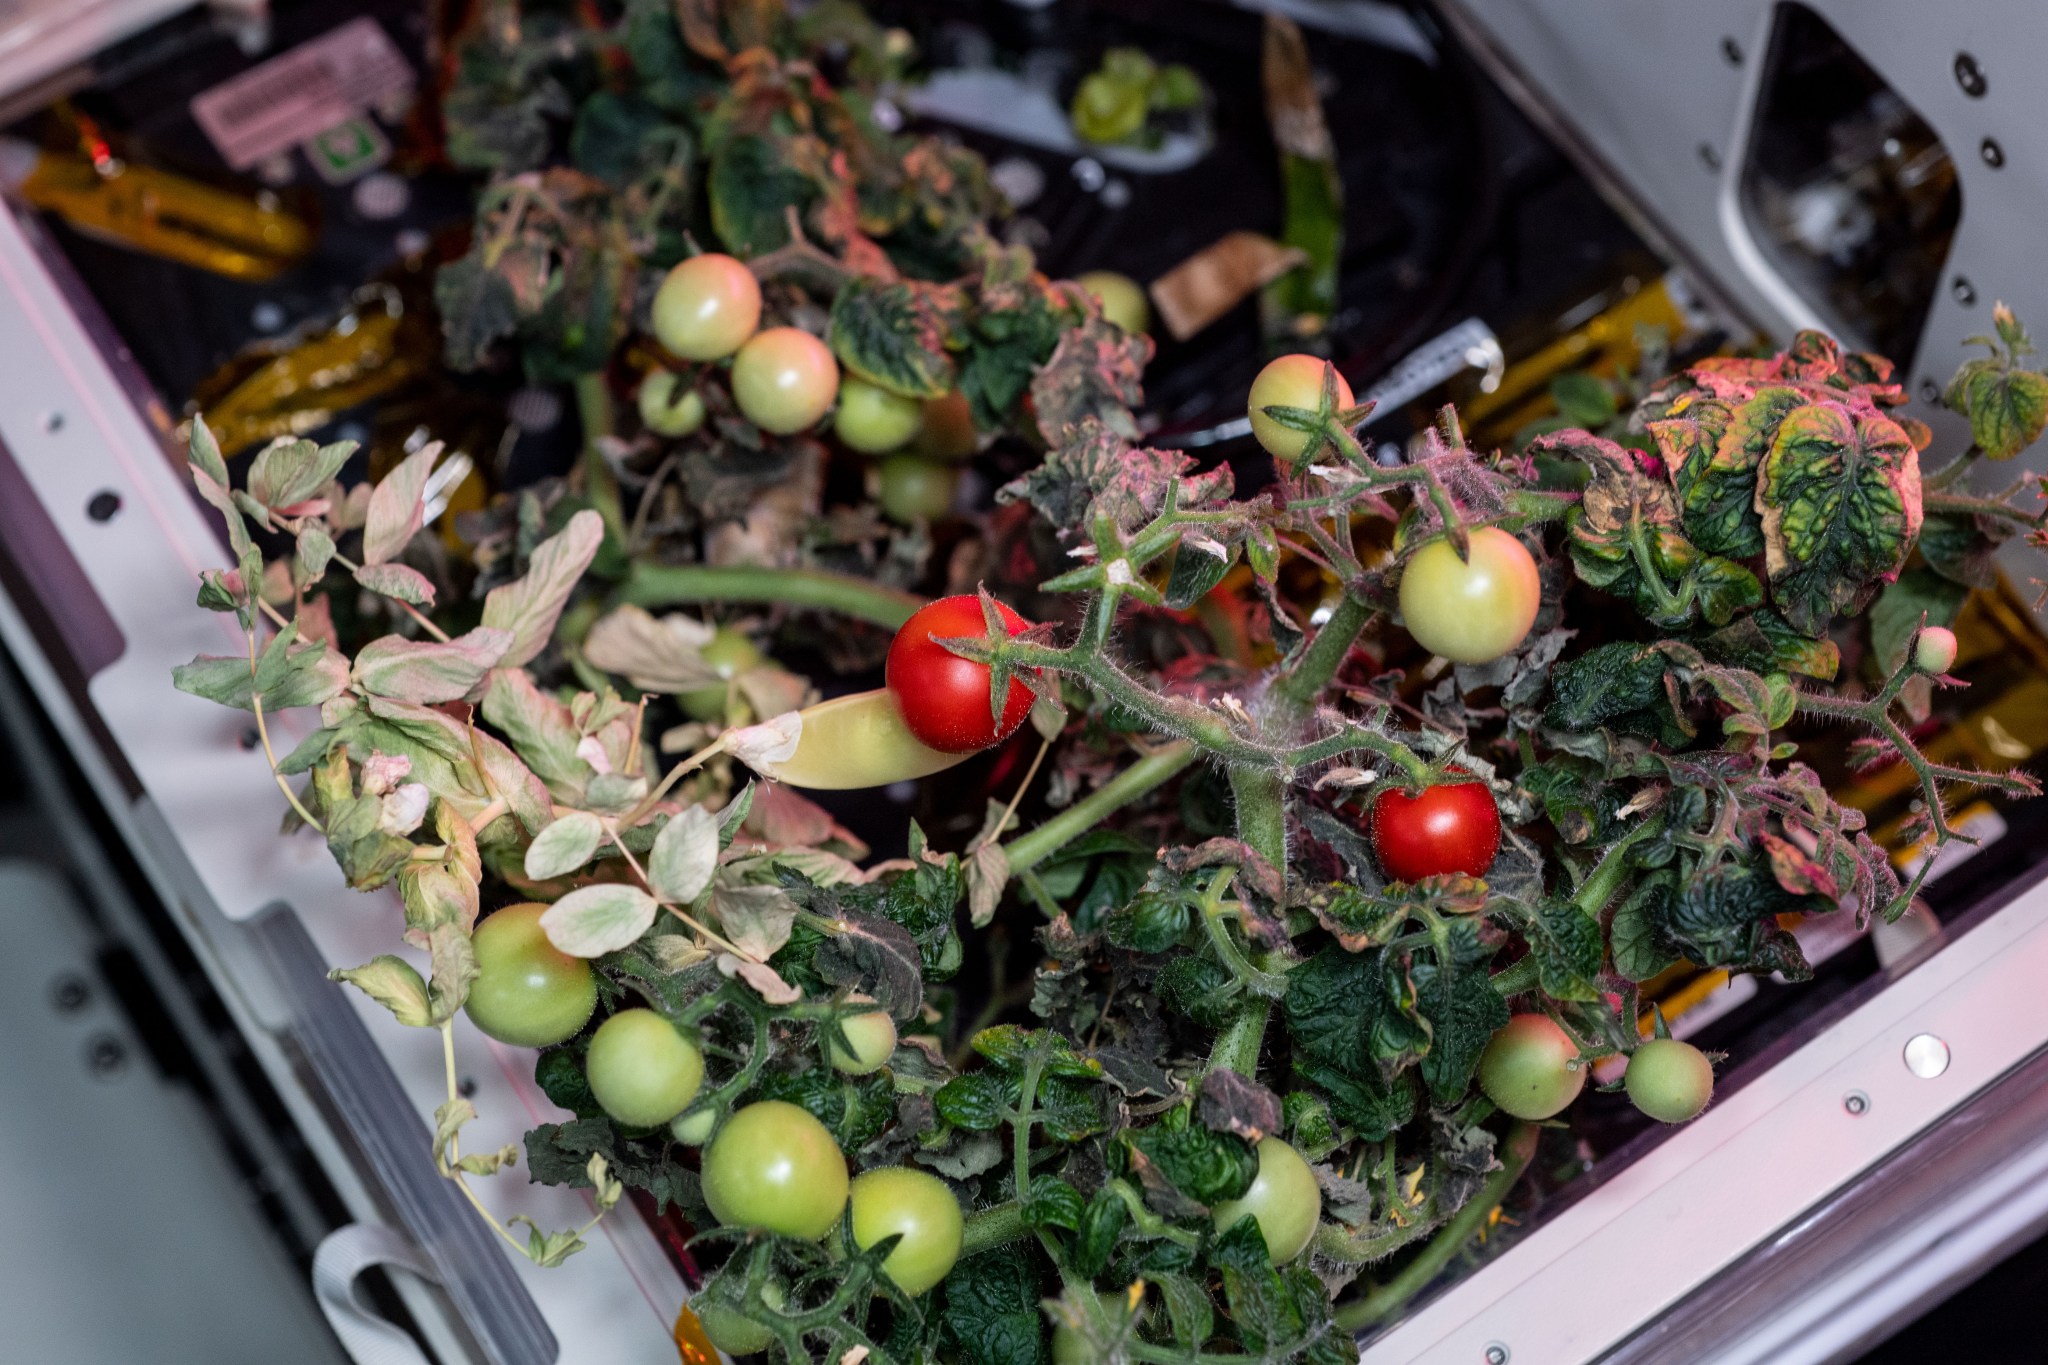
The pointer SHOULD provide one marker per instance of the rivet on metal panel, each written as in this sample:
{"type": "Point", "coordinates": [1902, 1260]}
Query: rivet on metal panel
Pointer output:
{"type": "Point", "coordinates": [69, 993]}
{"type": "Point", "coordinates": [104, 1055]}
{"type": "Point", "coordinates": [1970, 76]}
{"type": "Point", "coordinates": [103, 505]}
{"type": "Point", "coordinates": [1857, 1103]}
{"type": "Point", "coordinates": [1993, 154]}
{"type": "Point", "coordinates": [1926, 1056]}
{"type": "Point", "coordinates": [1930, 391]}
{"type": "Point", "coordinates": [1964, 292]}
{"type": "Point", "coordinates": [53, 422]}
{"type": "Point", "coordinates": [1496, 1353]}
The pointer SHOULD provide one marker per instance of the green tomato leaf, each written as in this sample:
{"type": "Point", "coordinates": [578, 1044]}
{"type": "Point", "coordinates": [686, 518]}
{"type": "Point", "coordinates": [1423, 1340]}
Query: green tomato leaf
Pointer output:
{"type": "Point", "coordinates": [976, 1101]}
{"type": "Point", "coordinates": [988, 1309]}
{"type": "Point", "coordinates": [2007, 406]}
{"type": "Point", "coordinates": [684, 856]}
{"type": "Point", "coordinates": [1840, 498]}
{"type": "Point", "coordinates": [529, 606]}
{"type": "Point", "coordinates": [393, 983]}
{"type": "Point", "coordinates": [594, 920]}
{"type": "Point", "coordinates": [895, 334]}
{"type": "Point", "coordinates": [752, 189]}
{"type": "Point", "coordinates": [564, 846]}
{"type": "Point", "coordinates": [1208, 1167]}
{"type": "Point", "coordinates": [429, 672]}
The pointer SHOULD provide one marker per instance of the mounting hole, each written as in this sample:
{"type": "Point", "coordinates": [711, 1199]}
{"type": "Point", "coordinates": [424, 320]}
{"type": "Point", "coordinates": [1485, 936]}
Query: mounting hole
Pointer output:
{"type": "Point", "coordinates": [1963, 291]}
{"type": "Point", "coordinates": [1926, 1056]}
{"type": "Point", "coordinates": [1930, 392]}
{"type": "Point", "coordinates": [1856, 1104]}
{"type": "Point", "coordinates": [1731, 51]}
{"type": "Point", "coordinates": [103, 505]}
{"type": "Point", "coordinates": [1709, 157]}
{"type": "Point", "coordinates": [1970, 76]}
{"type": "Point", "coordinates": [104, 1055]}
{"type": "Point", "coordinates": [1993, 154]}
{"type": "Point", "coordinates": [70, 993]}
{"type": "Point", "coordinates": [53, 422]}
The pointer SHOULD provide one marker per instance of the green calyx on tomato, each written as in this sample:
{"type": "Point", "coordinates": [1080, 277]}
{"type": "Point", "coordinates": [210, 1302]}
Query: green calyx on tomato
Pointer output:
{"type": "Point", "coordinates": [863, 1043]}
{"type": "Point", "coordinates": [527, 992]}
{"type": "Point", "coordinates": [774, 1167]}
{"type": "Point", "coordinates": [1453, 827]}
{"type": "Point", "coordinates": [873, 420]}
{"type": "Point", "coordinates": [945, 699]}
{"type": "Point", "coordinates": [915, 1205]}
{"type": "Point", "coordinates": [914, 489]}
{"type": "Point", "coordinates": [783, 380]}
{"type": "Point", "coordinates": [667, 408]}
{"type": "Point", "coordinates": [1471, 611]}
{"type": "Point", "coordinates": [642, 1071]}
{"type": "Point", "coordinates": [1292, 381]}
{"type": "Point", "coordinates": [706, 307]}
{"type": "Point", "coordinates": [1531, 1068]}
{"type": "Point", "coordinates": [730, 653]}
{"type": "Point", "coordinates": [1284, 1199]}
{"type": "Point", "coordinates": [1669, 1080]}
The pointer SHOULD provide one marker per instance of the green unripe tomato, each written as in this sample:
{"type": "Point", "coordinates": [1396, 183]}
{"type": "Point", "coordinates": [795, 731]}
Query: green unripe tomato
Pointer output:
{"type": "Point", "coordinates": [730, 1330]}
{"type": "Point", "coordinates": [873, 420]}
{"type": "Point", "coordinates": [1292, 381]}
{"type": "Point", "coordinates": [527, 992]}
{"type": "Point", "coordinates": [947, 430]}
{"type": "Point", "coordinates": [914, 489]}
{"type": "Point", "coordinates": [1471, 612]}
{"type": "Point", "coordinates": [1285, 1199]}
{"type": "Point", "coordinates": [1669, 1080]}
{"type": "Point", "coordinates": [774, 1167]}
{"type": "Point", "coordinates": [870, 1043]}
{"type": "Point", "coordinates": [641, 1069]}
{"type": "Point", "coordinates": [694, 1127]}
{"type": "Point", "coordinates": [1531, 1068]}
{"type": "Point", "coordinates": [1107, 110]}
{"type": "Point", "coordinates": [784, 379]}
{"type": "Point", "coordinates": [706, 307]}
{"type": "Point", "coordinates": [916, 1204]}
{"type": "Point", "coordinates": [1934, 650]}
{"type": "Point", "coordinates": [666, 408]}
{"type": "Point", "coordinates": [730, 653]}
{"type": "Point", "coordinates": [1122, 298]}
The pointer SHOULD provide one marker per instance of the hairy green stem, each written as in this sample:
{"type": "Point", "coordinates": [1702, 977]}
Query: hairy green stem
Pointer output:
{"type": "Point", "coordinates": [1237, 1047]}
{"type": "Point", "coordinates": [1516, 1153]}
{"type": "Point", "coordinates": [1028, 850]}
{"type": "Point", "coordinates": [993, 1226]}
{"type": "Point", "coordinates": [594, 407]}
{"type": "Point", "coordinates": [1606, 878]}
{"type": "Point", "coordinates": [1294, 696]}
{"type": "Point", "coordinates": [1334, 1243]}
{"type": "Point", "coordinates": [664, 585]}
{"type": "Point", "coordinates": [1957, 504]}
{"type": "Point", "coordinates": [1262, 814]}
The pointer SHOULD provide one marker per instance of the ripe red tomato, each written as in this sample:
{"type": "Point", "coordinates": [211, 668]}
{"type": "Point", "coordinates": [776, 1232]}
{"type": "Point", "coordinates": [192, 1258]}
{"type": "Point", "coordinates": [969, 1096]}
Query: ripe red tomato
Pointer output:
{"type": "Point", "coordinates": [1453, 827]}
{"type": "Point", "coordinates": [944, 698]}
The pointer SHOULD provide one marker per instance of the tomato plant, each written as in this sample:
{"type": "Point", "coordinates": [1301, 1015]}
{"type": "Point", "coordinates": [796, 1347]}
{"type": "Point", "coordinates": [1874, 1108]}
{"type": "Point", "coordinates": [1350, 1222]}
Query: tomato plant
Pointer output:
{"type": "Point", "coordinates": [874, 421]}
{"type": "Point", "coordinates": [641, 1069]}
{"type": "Point", "coordinates": [1292, 381]}
{"type": "Point", "coordinates": [783, 380]}
{"type": "Point", "coordinates": [1122, 299]}
{"type": "Point", "coordinates": [694, 1127]}
{"type": "Point", "coordinates": [1284, 1200]}
{"type": "Point", "coordinates": [944, 698]}
{"type": "Point", "coordinates": [527, 993]}
{"type": "Point", "coordinates": [1447, 828]}
{"type": "Point", "coordinates": [1474, 610]}
{"type": "Point", "coordinates": [1934, 650]}
{"type": "Point", "coordinates": [862, 1044]}
{"type": "Point", "coordinates": [1669, 1080]}
{"type": "Point", "coordinates": [1532, 1068]}
{"type": "Point", "coordinates": [730, 652]}
{"type": "Point", "coordinates": [706, 307]}
{"type": "Point", "coordinates": [893, 1201]}
{"type": "Point", "coordinates": [774, 1167]}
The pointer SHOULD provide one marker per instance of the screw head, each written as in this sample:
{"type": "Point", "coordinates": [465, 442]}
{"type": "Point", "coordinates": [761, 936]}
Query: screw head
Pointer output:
{"type": "Point", "coordinates": [104, 506]}
{"type": "Point", "coordinates": [1856, 1103]}
{"type": "Point", "coordinates": [1496, 1353]}
{"type": "Point", "coordinates": [1731, 51]}
{"type": "Point", "coordinates": [105, 1055]}
{"type": "Point", "coordinates": [69, 993]}
{"type": "Point", "coordinates": [1993, 154]}
{"type": "Point", "coordinates": [1970, 76]}
{"type": "Point", "coordinates": [1930, 392]}
{"type": "Point", "coordinates": [1963, 291]}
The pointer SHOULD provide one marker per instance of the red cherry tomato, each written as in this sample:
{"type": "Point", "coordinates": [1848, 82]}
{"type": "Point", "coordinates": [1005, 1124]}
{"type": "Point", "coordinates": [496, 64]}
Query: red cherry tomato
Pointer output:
{"type": "Point", "coordinates": [944, 698]}
{"type": "Point", "coordinates": [1454, 827]}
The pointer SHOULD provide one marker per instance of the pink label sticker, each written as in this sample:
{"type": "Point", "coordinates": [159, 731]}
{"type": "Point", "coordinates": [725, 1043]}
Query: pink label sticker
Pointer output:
{"type": "Point", "coordinates": [301, 93]}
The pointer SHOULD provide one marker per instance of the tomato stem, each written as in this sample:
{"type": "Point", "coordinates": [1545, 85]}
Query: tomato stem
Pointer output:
{"type": "Point", "coordinates": [993, 1226]}
{"type": "Point", "coordinates": [1515, 1152]}
{"type": "Point", "coordinates": [666, 585]}
{"type": "Point", "coordinates": [594, 407]}
{"type": "Point", "coordinates": [1028, 850]}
